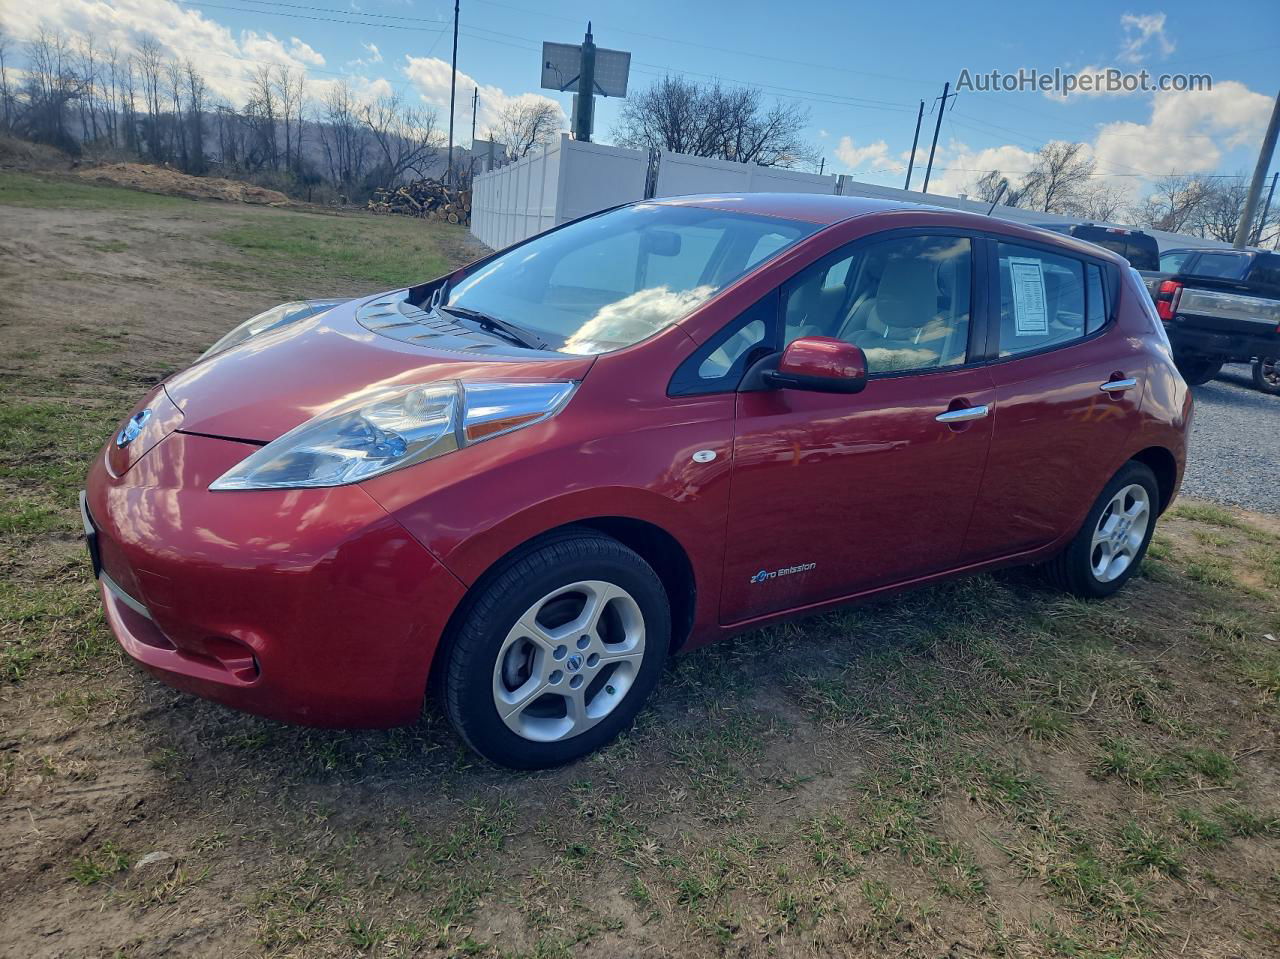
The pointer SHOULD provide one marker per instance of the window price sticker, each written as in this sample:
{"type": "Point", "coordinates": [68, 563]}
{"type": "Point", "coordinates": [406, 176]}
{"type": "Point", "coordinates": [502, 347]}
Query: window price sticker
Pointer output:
{"type": "Point", "coordinates": [1030, 318]}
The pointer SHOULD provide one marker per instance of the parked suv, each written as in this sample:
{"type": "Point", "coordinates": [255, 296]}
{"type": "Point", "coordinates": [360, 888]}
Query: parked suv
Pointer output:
{"type": "Point", "coordinates": [535, 478]}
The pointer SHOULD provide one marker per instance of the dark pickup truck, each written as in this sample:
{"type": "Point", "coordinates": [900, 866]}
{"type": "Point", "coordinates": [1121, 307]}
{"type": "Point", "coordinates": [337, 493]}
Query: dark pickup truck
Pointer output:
{"type": "Point", "coordinates": [1220, 306]}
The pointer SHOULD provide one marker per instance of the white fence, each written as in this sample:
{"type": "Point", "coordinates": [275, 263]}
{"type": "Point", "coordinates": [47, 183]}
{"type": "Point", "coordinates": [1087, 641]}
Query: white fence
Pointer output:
{"type": "Point", "coordinates": [571, 179]}
{"type": "Point", "coordinates": [567, 180]}
{"type": "Point", "coordinates": [680, 175]}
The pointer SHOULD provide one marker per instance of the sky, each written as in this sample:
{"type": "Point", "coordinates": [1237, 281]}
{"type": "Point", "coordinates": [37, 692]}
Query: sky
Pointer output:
{"type": "Point", "coordinates": [861, 69]}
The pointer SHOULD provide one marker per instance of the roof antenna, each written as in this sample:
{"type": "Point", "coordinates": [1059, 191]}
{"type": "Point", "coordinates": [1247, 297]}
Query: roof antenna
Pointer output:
{"type": "Point", "coordinates": [1004, 185]}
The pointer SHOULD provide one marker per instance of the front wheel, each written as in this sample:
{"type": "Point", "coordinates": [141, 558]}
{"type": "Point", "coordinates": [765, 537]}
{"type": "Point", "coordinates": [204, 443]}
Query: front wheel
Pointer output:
{"type": "Point", "coordinates": [1198, 370]}
{"type": "Point", "coordinates": [1266, 374]}
{"type": "Point", "coordinates": [1114, 537]}
{"type": "Point", "coordinates": [557, 652]}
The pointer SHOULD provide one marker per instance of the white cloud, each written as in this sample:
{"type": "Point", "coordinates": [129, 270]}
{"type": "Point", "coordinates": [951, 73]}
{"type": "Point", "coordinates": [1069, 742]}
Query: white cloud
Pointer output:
{"type": "Point", "coordinates": [1097, 87]}
{"type": "Point", "coordinates": [1187, 131]}
{"type": "Point", "coordinates": [375, 55]}
{"type": "Point", "coordinates": [1141, 32]}
{"type": "Point", "coordinates": [224, 58]}
{"type": "Point", "coordinates": [301, 50]}
{"type": "Point", "coordinates": [430, 77]}
{"type": "Point", "coordinates": [957, 166]}
{"type": "Point", "coordinates": [874, 156]}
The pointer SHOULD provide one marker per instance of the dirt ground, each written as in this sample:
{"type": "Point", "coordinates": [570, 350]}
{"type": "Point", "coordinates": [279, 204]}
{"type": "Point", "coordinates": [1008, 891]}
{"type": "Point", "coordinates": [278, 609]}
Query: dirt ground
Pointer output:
{"type": "Point", "coordinates": [154, 179]}
{"type": "Point", "coordinates": [980, 769]}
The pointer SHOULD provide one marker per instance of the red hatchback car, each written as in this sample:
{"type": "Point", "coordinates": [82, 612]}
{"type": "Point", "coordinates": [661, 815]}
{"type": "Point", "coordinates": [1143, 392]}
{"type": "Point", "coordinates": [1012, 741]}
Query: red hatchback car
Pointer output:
{"type": "Point", "coordinates": [535, 478]}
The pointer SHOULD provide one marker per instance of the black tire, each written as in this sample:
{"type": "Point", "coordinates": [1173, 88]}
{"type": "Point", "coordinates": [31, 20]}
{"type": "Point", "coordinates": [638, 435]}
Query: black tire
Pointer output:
{"type": "Point", "coordinates": [1072, 569]}
{"type": "Point", "coordinates": [471, 651]}
{"type": "Point", "coordinates": [1198, 370]}
{"type": "Point", "coordinates": [1266, 374]}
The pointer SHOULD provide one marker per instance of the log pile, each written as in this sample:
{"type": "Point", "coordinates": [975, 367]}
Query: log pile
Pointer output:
{"type": "Point", "coordinates": [429, 199]}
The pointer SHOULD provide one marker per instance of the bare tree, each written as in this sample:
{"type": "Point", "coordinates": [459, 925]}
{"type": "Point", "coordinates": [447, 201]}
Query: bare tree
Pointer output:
{"type": "Point", "coordinates": [405, 139]}
{"type": "Point", "coordinates": [525, 124]}
{"type": "Point", "coordinates": [51, 84]}
{"type": "Point", "coordinates": [6, 93]}
{"type": "Point", "coordinates": [993, 187]}
{"type": "Point", "coordinates": [87, 68]}
{"type": "Point", "coordinates": [1174, 204]}
{"type": "Point", "coordinates": [150, 62]}
{"type": "Point", "coordinates": [342, 136]}
{"type": "Point", "coordinates": [290, 92]}
{"type": "Point", "coordinates": [1058, 179]}
{"type": "Point", "coordinates": [263, 110]}
{"type": "Point", "coordinates": [711, 120]}
{"type": "Point", "coordinates": [197, 104]}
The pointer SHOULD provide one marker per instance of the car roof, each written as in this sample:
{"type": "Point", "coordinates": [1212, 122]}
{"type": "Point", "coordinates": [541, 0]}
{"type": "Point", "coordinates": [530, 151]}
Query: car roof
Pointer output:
{"type": "Point", "coordinates": [809, 207]}
{"type": "Point", "coordinates": [826, 210]}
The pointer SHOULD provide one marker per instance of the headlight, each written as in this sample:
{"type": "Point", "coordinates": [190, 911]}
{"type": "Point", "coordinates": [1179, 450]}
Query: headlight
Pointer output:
{"type": "Point", "coordinates": [272, 319]}
{"type": "Point", "coordinates": [390, 428]}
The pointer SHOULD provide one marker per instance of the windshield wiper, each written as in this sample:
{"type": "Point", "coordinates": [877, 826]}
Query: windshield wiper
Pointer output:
{"type": "Point", "coordinates": [516, 334]}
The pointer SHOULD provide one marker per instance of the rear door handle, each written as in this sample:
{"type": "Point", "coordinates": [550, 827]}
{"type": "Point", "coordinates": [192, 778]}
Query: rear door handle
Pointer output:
{"type": "Point", "coordinates": [1118, 386]}
{"type": "Point", "coordinates": [963, 415]}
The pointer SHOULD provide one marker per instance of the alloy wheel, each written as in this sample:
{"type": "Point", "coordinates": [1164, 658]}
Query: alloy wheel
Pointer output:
{"type": "Point", "coordinates": [1120, 533]}
{"type": "Point", "coordinates": [568, 661]}
{"type": "Point", "coordinates": [1269, 370]}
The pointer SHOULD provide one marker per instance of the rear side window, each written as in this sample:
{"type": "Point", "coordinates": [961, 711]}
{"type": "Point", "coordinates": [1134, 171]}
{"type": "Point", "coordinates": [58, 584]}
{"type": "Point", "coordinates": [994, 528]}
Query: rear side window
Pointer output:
{"type": "Point", "coordinates": [1265, 272]}
{"type": "Point", "coordinates": [1173, 261]}
{"type": "Point", "coordinates": [1230, 266]}
{"type": "Point", "coordinates": [1042, 300]}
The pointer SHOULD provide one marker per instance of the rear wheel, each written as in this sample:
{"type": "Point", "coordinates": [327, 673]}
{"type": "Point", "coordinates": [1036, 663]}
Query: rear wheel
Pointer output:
{"type": "Point", "coordinates": [1198, 370]}
{"type": "Point", "coordinates": [1114, 537]}
{"type": "Point", "coordinates": [557, 653]}
{"type": "Point", "coordinates": [1266, 374]}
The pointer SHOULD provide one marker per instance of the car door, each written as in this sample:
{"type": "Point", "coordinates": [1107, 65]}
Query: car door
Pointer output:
{"type": "Point", "coordinates": [835, 494]}
{"type": "Point", "coordinates": [1068, 389]}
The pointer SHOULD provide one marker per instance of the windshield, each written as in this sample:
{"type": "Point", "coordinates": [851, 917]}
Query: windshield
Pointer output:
{"type": "Point", "coordinates": [613, 280]}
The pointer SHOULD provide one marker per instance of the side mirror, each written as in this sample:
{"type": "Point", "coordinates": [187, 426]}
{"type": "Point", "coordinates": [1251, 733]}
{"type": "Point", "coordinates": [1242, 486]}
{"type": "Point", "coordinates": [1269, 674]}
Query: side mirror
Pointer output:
{"type": "Point", "coordinates": [820, 364]}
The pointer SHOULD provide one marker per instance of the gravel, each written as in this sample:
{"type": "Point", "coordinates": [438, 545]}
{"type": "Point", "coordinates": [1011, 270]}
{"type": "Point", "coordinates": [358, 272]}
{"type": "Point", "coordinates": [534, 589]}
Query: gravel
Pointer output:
{"type": "Point", "coordinates": [1235, 456]}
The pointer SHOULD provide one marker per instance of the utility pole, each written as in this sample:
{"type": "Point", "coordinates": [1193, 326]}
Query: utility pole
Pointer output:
{"type": "Point", "coordinates": [1259, 174]}
{"type": "Point", "coordinates": [453, 85]}
{"type": "Point", "coordinates": [937, 128]}
{"type": "Point", "coordinates": [914, 140]}
{"type": "Point", "coordinates": [822, 166]}
{"type": "Point", "coordinates": [475, 105]}
{"type": "Point", "coordinates": [1266, 209]}
{"type": "Point", "coordinates": [585, 115]}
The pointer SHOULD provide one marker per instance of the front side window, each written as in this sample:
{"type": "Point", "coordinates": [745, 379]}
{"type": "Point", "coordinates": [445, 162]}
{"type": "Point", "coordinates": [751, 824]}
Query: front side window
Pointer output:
{"type": "Point", "coordinates": [613, 280]}
{"type": "Point", "coordinates": [905, 301]}
{"type": "Point", "coordinates": [1172, 261]}
{"type": "Point", "coordinates": [1041, 299]}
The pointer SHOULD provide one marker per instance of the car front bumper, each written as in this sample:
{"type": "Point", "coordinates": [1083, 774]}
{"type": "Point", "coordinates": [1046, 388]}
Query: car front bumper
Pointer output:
{"type": "Point", "coordinates": [307, 606]}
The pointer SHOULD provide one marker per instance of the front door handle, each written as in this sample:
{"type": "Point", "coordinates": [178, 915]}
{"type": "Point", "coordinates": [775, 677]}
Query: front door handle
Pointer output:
{"type": "Point", "coordinates": [1118, 386]}
{"type": "Point", "coordinates": [963, 415]}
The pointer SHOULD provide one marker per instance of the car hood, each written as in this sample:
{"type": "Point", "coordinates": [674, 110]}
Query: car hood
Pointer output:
{"type": "Point", "coordinates": [266, 386]}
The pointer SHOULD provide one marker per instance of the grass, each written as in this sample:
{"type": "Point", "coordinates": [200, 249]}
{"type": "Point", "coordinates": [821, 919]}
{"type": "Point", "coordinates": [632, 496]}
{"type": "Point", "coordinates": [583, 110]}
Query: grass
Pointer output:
{"type": "Point", "coordinates": [41, 192]}
{"type": "Point", "coordinates": [983, 767]}
{"type": "Point", "coordinates": [320, 249]}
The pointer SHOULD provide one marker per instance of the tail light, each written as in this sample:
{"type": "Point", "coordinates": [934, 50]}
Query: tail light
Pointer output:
{"type": "Point", "coordinates": [1167, 299]}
